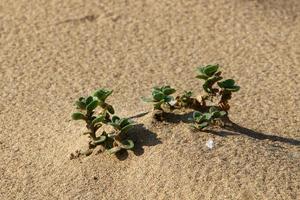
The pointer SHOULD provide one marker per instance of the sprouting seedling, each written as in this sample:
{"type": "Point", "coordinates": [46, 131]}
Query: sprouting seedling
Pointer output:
{"type": "Point", "coordinates": [186, 99]}
{"type": "Point", "coordinates": [87, 106]}
{"type": "Point", "coordinates": [227, 87]}
{"type": "Point", "coordinates": [211, 75]}
{"type": "Point", "coordinates": [203, 120]}
{"type": "Point", "coordinates": [121, 127]}
{"type": "Point", "coordinates": [102, 95]}
{"type": "Point", "coordinates": [161, 97]}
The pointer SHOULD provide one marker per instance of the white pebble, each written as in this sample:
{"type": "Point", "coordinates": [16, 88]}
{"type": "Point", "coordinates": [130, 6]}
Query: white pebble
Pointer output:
{"type": "Point", "coordinates": [210, 143]}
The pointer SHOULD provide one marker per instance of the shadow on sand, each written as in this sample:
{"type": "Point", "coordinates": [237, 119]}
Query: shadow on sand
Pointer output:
{"type": "Point", "coordinates": [232, 128]}
{"type": "Point", "coordinates": [141, 137]}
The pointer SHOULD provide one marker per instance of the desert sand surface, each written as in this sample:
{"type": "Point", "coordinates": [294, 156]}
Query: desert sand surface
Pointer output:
{"type": "Point", "coordinates": [53, 52]}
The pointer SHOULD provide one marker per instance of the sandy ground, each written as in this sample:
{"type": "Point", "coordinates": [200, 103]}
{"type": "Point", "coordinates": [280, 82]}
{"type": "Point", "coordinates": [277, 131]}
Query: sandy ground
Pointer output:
{"type": "Point", "coordinates": [52, 52]}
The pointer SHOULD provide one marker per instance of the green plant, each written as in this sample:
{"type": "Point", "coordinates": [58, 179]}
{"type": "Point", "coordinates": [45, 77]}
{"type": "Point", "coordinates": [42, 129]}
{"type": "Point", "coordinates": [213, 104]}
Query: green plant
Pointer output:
{"type": "Point", "coordinates": [96, 118]}
{"type": "Point", "coordinates": [203, 120]}
{"type": "Point", "coordinates": [121, 127]}
{"type": "Point", "coordinates": [185, 100]}
{"type": "Point", "coordinates": [211, 76]}
{"type": "Point", "coordinates": [87, 112]}
{"type": "Point", "coordinates": [227, 87]}
{"type": "Point", "coordinates": [161, 98]}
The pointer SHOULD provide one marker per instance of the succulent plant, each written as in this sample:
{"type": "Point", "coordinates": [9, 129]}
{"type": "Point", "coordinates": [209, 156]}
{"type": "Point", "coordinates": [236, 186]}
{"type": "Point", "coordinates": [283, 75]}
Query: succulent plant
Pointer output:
{"type": "Point", "coordinates": [101, 96]}
{"type": "Point", "coordinates": [203, 120]}
{"type": "Point", "coordinates": [185, 100]}
{"type": "Point", "coordinates": [86, 108]}
{"type": "Point", "coordinates": [161, 98]}
{"type": "Point", "coordinates": [121, 126]}
{"type": "Point", "coordinates": [115, 141]}
{"type": "Point", "coordinates": [227, 87]}
{"type": "Point", "coordinates": [211, 75]}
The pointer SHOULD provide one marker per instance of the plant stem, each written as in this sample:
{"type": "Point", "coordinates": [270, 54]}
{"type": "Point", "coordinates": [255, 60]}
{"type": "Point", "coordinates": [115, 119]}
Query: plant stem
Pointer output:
{"type": "Point", "coordinates": [90, 126]}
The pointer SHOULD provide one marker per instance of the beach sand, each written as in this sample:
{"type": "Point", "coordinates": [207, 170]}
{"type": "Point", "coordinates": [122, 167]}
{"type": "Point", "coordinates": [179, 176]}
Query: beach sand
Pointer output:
{"type": "Point", "coordinates": [53, 52]}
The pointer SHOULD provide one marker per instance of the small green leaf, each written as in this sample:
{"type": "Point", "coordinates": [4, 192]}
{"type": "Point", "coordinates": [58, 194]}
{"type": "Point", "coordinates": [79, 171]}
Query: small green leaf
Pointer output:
{"type": "Point", "coordinates": [197, 115]}
{"type": "Point", "coordinates": [168, 91]}
{"type": "Point", "coordinates": [124, 122]}
{"type": "Point", "coordinates": [100, 140]}
{"type": "Point", "coordinates": [98, 119]}
{"type": "Point", "coordinates": [78, 116]}
{"type": "Point", "coordinates": [115, 119]}
{"type": "Point", "coordinates": [80, 104]}
{"type": "Point", "coordinates": [89, 100]}
{"type": "Point", "coordinates": [206, 88]}
{"type": "Point", "coordinates": [201, 70]}
{"type": "Point", "coordinates": [110, 109]}
{"type": "Point", "coordinates": [114, 150]}
{"type": "Point", "coordinates": [127, 144]}
{"type": "Point", "coordinates": [210, 82]}
{"type": "Point", "coordinates": [102, 94]}
{"type": "Point", "coordinates": [210, 70]}
{"type": "Point", "coordinates": [91, 106]}
{"type": "Point", "coordinates": [158, 96]}
{"type": "Point", "coordinates": [207, 116]}
{"type": "Point", "coordinates": [228, 83]}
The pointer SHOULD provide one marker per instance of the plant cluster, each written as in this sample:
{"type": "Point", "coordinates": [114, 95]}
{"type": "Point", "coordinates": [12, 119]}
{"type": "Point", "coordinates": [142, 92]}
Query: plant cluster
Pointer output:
{"type": "Point", "coordinates": [210, 118]}
{"type": "Point", "coordinates": [96, 112]}
{"type": "Point", "coordinates": [161, 98]}
{"type": "Point", "coordinates": [215, 88]}
{"type": "Point", "coordinates": [211, 76]}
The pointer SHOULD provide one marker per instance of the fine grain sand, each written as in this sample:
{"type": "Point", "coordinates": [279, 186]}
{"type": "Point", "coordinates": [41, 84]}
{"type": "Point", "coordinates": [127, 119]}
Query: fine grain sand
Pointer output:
{"type": "Point", "coordinates": [52, 52]}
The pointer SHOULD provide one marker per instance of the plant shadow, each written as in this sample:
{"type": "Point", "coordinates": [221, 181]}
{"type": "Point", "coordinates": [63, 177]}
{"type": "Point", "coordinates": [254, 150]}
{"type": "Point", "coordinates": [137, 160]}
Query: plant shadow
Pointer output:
{"type": "Point", "coordinates": [259, 135]}
{"type": "Point", "coordinates": [231, 128]}
{"type": "Point", "coordinates": [141, 137]}
{"type": "Point", "coordinates": [138, 115]}
{"type": "Point", "coordinates": [176, 118]}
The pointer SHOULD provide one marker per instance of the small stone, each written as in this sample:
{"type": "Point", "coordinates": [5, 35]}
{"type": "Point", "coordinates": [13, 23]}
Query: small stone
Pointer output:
{"type": "Point", "coordinates": [210, 143]}
{"type": "Point", "coordinates": [173, 102]}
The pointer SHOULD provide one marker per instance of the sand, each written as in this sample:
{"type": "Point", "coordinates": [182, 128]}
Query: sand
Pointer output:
{"type": "Point", "coordinates": [52, 52]}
